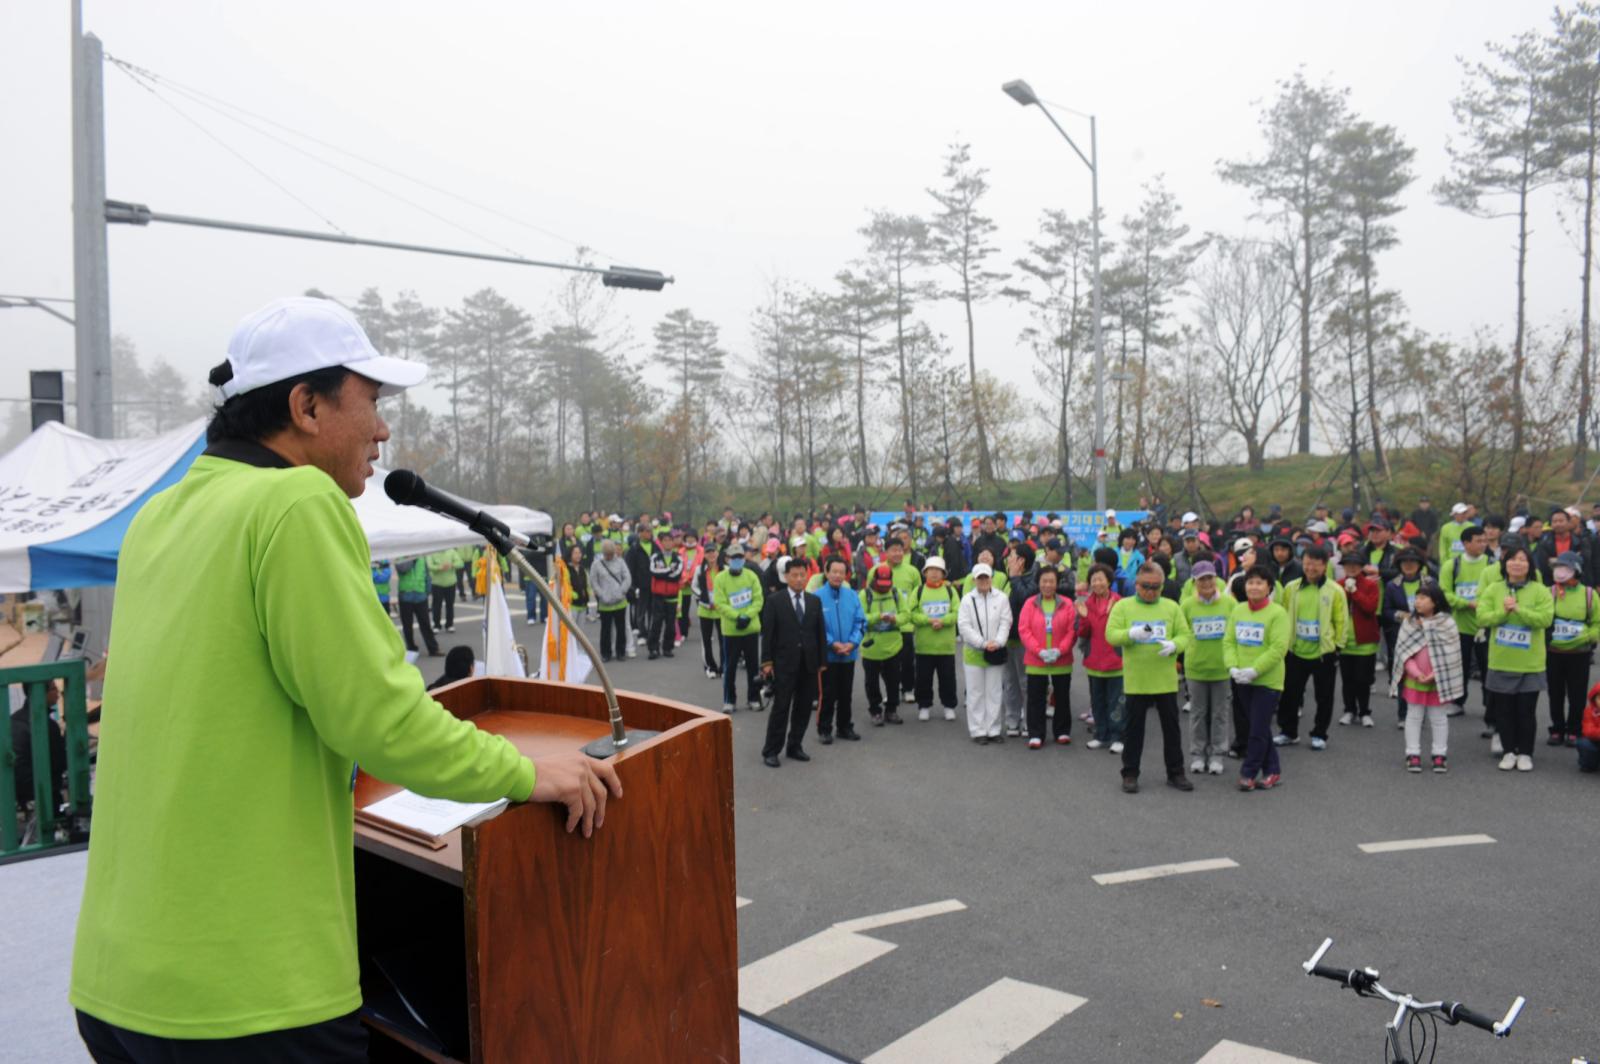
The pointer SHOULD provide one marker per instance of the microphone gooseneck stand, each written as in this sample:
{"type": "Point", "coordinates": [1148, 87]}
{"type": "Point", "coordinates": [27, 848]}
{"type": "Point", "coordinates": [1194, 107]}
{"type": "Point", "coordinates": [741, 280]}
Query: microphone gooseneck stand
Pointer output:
{"type": "Point", "coordinates": [408, 489]}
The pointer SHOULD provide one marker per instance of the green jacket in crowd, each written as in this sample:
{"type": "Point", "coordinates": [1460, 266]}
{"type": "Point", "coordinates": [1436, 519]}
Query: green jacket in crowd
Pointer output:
{"type": "Point", "coordinates": [1259, 640]}
{"type": "Point", "coordinates": [738, 595]}
{"type": "Point", "coordinates": [1461, 577]}
{"type": "Point", "coordinates": [1319, 626]}
{"type": "Point", "coordinates": [1144, 670]}
{"type": "Point", "coordinates": [1208, 624]}
{"type": "Point", "coordinates": [888, 622]}
{"type": "Point", "coordinates": [1516, 640]}
{"type": "Point", "coordinates": [927, 604]}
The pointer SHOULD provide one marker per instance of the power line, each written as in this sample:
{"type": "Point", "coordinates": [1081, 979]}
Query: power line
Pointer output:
{"type": "Point", "coordinates": [280, 186]}
{"type": "Point", "coordinates": [339, 169]}
{"type": "Point", "coordinates": [194, 92]}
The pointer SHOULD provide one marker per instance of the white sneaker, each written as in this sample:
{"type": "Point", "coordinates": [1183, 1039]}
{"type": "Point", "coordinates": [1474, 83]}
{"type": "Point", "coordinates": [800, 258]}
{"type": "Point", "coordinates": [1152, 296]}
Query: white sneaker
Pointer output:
{"type": "Point", "coordinates": [1116, 747]}
{"type": "Point", "coordinates": [1197, 766]}
{"type": "Point", "coordinates": [1524, 763]}
{"type": "Point", "coordinates": [1509, 762]}
{"type": "Point", "coordinates": [1094, 744]}
{"type": "Point", "coordinates": [1215, 767]}
{"type": "Point", "coordinates": [922, 714]}
{"type": "Point", "coordinates": [1366, 721]}
{"type": "Point", "coordinates": [949, 714]}
{"type": "Point", "coordinates": [727, 707]}
{"type": "Point", "coordinates": [531, 622]}
{"type": "Point", "coordinates": [1187, 705]}
{"type": "Point", "coordinates": [1495, 746]}
{"type": "Point", "coordinates": [713, 674]}
{"type": "Point", "coordinates": [1318, 744]}
{"type": "Point", "coordinates": [909, 697]}
{"type": "Point", "coordinates": [1348, 718]}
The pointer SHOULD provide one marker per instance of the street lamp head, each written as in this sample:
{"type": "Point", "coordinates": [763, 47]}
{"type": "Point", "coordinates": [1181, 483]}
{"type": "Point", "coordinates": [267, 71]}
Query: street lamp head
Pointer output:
{"type": "Point", "coordinates": [1020, 91]}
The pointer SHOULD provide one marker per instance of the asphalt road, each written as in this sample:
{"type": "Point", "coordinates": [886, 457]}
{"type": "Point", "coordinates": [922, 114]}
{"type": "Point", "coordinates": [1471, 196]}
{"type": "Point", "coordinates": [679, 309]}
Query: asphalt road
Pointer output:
{"type": "Point", "coordinates": [917, 814]}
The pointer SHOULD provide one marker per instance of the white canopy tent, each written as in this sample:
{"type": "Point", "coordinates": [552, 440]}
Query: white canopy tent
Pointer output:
{"type": "Point", "coordinates": [66, 500]}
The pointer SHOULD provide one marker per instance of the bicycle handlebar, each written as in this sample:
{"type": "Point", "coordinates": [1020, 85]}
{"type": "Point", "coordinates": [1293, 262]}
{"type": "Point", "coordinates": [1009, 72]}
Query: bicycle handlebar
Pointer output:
{"type": "Point", "coordinates": [1365, 981]}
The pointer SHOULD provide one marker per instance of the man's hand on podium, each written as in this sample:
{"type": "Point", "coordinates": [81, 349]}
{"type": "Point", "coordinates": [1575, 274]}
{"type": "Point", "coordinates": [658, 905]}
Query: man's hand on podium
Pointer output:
{"type": "Point", "coordinates": [578, 782]}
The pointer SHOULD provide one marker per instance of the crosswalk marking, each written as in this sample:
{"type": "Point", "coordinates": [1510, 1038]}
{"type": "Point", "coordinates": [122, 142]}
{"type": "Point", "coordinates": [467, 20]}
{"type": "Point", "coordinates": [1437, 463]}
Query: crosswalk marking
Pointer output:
{"type": "Point", "coordinates": [1134, 875]}
{"type": "Point", "coordinates": [1226, 1052]}
{"type": "Point", "coordinates": [793, 971]}
{"type": "Point", "coordinates": [1434, 843]}
{"type": "Point", "coordinates": [780, 977]}
{"type": "Point", "coordinates": [984, 1028]}
{"type": "Point", "coordinates": [901, 916]}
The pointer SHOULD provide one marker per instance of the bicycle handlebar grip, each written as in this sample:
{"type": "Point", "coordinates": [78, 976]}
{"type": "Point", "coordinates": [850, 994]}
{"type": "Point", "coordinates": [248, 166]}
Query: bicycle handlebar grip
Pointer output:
{"type": "Point", "coordinates": [1461, 1013]}
{"type": "Point", "coordinates": [1338, 975]}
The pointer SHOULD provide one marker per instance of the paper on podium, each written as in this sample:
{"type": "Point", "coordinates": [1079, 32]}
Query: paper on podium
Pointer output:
{"type": "Point", "coordinates": [429, 816]}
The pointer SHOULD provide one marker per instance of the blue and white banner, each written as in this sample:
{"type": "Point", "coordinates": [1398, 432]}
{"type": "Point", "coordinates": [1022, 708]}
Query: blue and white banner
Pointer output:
{"type": "Point", "coordinates": [1080, 526]}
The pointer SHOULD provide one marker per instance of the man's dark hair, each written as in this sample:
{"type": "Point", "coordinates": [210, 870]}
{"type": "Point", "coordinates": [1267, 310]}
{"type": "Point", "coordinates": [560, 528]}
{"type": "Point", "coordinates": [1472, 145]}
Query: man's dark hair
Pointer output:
{"type": "Point", "coordinates": [839, 561]}
{"type": "Point", "coordinates": [263, 411]}
{"type": "Point", "coordinates": [1470, 533]}
{"type": "Point", "coordinates": [1317, 552]}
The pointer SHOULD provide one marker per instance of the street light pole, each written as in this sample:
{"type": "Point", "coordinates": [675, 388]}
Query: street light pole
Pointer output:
{"type": "Point", "coordinates": [1099, 327]}
{"type": "Point", "coordinates": [1021, 92]}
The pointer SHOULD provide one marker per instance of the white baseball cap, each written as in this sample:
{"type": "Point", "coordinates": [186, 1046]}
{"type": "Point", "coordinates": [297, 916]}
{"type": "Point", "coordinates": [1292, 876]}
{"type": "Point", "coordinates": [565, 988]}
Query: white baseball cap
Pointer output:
{"type": "Point", "coordinates": [289, 337]}
{"type": "Point", "coordinates": [1458, 508]}
{"type": "Point", "coordinates": [981, 569]}
{"type": "Point", "coordinates": [1111, 513]}
{"type": "Point", "coordinates": [1190, 516]}
{"type": "Point", "coordinates": [933, 562]}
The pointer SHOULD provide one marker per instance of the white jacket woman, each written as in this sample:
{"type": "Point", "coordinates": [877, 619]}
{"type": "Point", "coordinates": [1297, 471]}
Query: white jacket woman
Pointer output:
{"type": "Point", "coordinates": [984, 624]}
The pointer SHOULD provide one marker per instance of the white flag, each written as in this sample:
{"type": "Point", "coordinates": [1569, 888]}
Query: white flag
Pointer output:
{"type": "Point", "coordinates": [571, 665]}
{"type": "Point", "coordinates": [499, 644]}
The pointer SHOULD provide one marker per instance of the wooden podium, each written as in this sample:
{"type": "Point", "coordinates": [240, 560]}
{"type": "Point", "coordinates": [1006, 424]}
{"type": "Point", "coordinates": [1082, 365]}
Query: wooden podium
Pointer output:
{"type": "Point", "coordinates": [519, 942]}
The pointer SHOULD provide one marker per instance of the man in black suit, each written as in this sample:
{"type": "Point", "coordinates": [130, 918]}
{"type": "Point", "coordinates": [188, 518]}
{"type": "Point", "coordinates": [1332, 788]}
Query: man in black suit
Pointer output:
{"type": "Point", "coordinates": [792, 654]}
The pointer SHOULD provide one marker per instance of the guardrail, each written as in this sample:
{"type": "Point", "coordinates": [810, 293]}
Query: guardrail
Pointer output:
{"type": "Point", "coordinates": [43, 821]}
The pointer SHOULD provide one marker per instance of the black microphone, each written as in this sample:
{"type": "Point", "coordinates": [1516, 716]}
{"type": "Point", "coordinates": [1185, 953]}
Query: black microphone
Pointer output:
{"type": "Point", "coordinates": [406, 488]}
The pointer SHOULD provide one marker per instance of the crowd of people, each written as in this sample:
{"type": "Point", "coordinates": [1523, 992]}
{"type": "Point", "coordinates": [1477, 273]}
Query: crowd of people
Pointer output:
{"type": "Point", "coordinates": [1233, 633]}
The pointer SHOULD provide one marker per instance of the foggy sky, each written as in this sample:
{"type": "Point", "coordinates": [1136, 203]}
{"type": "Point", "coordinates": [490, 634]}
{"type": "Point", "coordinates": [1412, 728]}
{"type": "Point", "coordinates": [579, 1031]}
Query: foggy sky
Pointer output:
{"type": "Point", "coordinates": [728, 145]}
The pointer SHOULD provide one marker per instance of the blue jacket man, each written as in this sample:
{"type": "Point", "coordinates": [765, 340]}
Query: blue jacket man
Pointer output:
{"type": "Point", "coordinates": [845, 623]}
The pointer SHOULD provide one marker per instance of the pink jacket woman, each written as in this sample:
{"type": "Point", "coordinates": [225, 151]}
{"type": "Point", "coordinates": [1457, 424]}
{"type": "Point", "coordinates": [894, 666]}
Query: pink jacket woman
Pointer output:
{"type": "Point", "coordinates": [1102, 656]}
{"type": "Point", "coordinates": [1063, 632]}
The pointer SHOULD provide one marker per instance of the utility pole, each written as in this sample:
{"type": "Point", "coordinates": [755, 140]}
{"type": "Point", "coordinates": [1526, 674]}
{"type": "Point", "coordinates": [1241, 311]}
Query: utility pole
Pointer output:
{"type": "Point", "coordinates": [90, 270]}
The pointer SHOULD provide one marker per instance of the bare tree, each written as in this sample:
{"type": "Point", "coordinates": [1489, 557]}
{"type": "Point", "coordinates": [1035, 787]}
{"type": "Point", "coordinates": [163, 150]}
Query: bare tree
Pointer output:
{"type": "Point", "coordinates": [1246, 316]}
{"type": "Point", "coordinates": [897, 251]}
{"type": "Point", "coordinates": [1506, 147]}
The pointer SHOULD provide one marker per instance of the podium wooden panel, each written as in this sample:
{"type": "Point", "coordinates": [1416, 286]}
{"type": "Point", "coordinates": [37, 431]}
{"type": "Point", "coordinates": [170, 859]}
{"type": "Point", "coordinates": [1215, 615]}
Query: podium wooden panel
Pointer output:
{"type": "Point", "coordinates": [520, 942]}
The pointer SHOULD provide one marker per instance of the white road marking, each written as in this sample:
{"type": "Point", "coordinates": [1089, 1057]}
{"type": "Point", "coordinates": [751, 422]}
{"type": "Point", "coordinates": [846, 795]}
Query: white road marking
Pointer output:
{"type": "Point", "coordinates": [901, 916]}
{"type": "Point", "coordinates": [984, 1028]}
{"type": "Point", "coordinates": [793, 971]}
{"type": "Point", "coordinates": [1226, 1052]}
{"type": "Point", "coordinates": [1425, 844]}
{"type": "Point", "coordinates": [1135, 875]}
{"type": "Point", "coordinates": [740, 903]}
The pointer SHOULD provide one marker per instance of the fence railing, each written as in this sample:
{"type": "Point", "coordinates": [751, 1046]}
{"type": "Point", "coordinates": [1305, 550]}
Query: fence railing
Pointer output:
{"type": "Point", "coordinates": [42, 820]}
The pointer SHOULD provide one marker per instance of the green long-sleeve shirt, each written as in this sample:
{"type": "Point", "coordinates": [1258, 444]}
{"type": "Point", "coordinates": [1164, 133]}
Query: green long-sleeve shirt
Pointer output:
{"type": "Point", "coordinates": [929, 604]}
{"type": "Point", "coordinates": [1144, 670]}
{"type": "Point", "coordinates": [888, 621]}
{"type": "Point", "coordinates": [1461, 577]}
{"type": "Point", "coordinates": [1318, 616]}
{"type": "Point", "coordinates": [1259, 640]}
{"type": "Point", "coordinates": [1575, 623]}
{"type": "Point", "coordinates": [1516, 640]}
{"type": "Point", "coordinates": [253, 665]}
{"type": "Point", "coordinates": [735, 595]}
{"type": "Point", "coordinates": [1208, 624]}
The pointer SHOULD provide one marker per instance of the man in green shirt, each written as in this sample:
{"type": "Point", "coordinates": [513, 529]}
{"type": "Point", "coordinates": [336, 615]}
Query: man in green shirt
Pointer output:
{"type": "Point", "coordinates": [1318, 618]}
{"type": "Point", "coordinates": [442, 577]}
{"type": "Point", "coordinates": [1460, 576]}
{"type": "Point", "coordinates": [253, 668]}
{"type": "Point", "coordinates": [1151, 632]}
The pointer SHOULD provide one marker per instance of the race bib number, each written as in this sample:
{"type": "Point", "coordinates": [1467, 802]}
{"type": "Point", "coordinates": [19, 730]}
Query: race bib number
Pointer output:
{"type": "Point", "coordinates": [1467, 592]}
{"type": "Point", "coordinates": [1514, 636]}
{"type": "Point", "coordinates": [1158, 628]}
{"type": "Point", "coordinates": [1250, 633]}
{"type": "Point", "coordinates": [1308, 631]}
{"type": "Point", "coordinates": [1456, 546]}
{"type": "Point", "coordinates": [1209, 628]}
{"type": "Point", "coordinates": [1411, 603]}
{"type": "Point", "coordinates": [935, 610]}
{"type": "Point", "coordinates": [1566, 631]}
{"type": "Point", "coordinates": [741, 599]}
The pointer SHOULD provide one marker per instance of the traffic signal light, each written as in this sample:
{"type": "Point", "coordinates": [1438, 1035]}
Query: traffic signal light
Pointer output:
{"type": "Point", "coordinates": [48, 393]}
